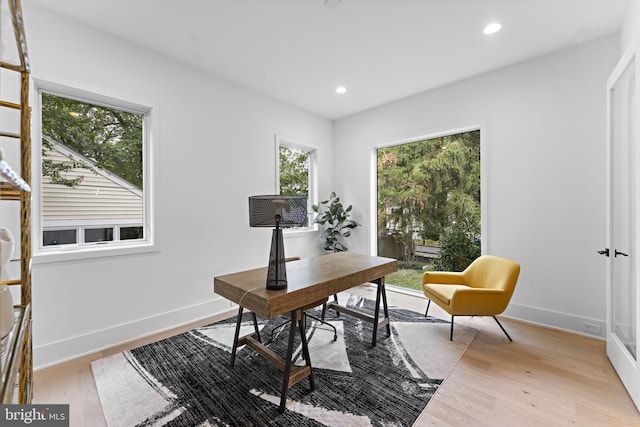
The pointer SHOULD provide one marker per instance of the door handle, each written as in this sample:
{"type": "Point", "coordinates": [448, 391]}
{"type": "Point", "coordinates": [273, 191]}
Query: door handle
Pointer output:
{"type": "Point", "coordinates": [617, 252]}
{"type": "Point", "coordinates": [604, 252]}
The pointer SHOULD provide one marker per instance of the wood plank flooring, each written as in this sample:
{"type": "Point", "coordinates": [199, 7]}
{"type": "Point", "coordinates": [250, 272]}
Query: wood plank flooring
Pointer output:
{"type": "Point", "coordinates": [545, 377]}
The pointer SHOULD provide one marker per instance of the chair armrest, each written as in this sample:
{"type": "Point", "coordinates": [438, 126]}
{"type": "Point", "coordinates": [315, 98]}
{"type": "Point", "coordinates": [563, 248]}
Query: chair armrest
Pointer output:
{"type": "Point", "coordinates": [479, 301]}
{"type": "Point", "coordinates": [443, 277]}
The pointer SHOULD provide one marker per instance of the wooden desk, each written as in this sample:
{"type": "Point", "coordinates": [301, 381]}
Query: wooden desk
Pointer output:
{"type": "Point", "coordinates": [310, 282]}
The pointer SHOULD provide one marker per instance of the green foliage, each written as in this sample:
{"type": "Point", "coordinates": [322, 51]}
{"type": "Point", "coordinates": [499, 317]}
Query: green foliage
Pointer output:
{"type": "Point", "coordinates": [459, 246]}
{"type": "Point", "coordinates": [109, 137]}
{"type": "Point", "coordinates": [426, 186]}
{"type": "Point", "coordinates": [55, 170]}
{"type": "Point", "coordinates": [338, 224]}
{"type": "Point", "coordinates": [294, 171]}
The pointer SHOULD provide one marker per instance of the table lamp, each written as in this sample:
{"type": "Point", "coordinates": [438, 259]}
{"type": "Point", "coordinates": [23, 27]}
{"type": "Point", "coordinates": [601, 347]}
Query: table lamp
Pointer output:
{"type": "Point", "coordinates": [279, 212]}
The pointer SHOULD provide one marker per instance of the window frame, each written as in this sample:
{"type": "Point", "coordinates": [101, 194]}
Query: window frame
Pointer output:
{"type": "Point", "coordinates": [312, 197]}
{"type": "Point", "coordinates": [150, 243]}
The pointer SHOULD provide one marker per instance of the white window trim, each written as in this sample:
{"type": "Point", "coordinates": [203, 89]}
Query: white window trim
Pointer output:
{"type": "Point", "coordinates": [151, 243]}
{"type": "Point", "coordinates": [313, 180]}
{"type": "Point", "coordinates": [80, 229]}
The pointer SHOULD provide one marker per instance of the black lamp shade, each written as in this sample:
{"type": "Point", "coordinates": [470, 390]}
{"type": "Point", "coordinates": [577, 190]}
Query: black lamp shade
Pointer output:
{"type": "Point", "coordinates": [292, 210]}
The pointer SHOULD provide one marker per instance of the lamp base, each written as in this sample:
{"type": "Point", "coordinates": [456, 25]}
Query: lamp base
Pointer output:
{"type": "Point", "coordinates": [277, 272]}
{"type": "Point", "coordinates": [276, 286]}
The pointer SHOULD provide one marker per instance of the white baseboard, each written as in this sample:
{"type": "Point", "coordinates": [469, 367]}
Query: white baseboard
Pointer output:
{"type": "Point", "coordinates": [552, 319]}
{"type": "Point", "coordinates": [54, 353]}
{"type": "Point", "coordinates": [83, 345]}
{"type": "Point", "coordinates": [568, 322]}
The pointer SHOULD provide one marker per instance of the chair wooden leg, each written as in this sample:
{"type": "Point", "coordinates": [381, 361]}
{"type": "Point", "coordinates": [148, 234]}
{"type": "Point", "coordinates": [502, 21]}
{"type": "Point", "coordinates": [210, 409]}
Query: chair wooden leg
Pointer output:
{"type": "Point", "coordinates": [451, 333]}
{"type": "Point", "coordinates": [428, 304]}
{"type": "Point", "coordinates": [501, 327]}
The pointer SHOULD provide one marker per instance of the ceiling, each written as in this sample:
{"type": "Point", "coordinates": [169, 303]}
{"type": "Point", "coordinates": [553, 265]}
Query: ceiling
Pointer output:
{"type": "Point", "coordinates": [299, 51]}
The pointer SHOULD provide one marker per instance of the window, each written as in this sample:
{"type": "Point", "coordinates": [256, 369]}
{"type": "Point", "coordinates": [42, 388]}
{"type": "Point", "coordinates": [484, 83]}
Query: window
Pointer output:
{"type": "Point", "coordinates": [94, 181]}
{"type": "Point", "coordinates": [92, 235]}
{"type": "Point", "coordinates": [59, 237]}
{"type": "Point", "coordinates": [295, 171]}
{"type": "Point", "coordinates": [428, 199]}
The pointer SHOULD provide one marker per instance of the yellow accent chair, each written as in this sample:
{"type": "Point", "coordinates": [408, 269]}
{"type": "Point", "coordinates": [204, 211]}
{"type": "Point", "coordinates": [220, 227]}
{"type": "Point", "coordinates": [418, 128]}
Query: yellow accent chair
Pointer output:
{"type": "Point", "coordinates": [484, 288]}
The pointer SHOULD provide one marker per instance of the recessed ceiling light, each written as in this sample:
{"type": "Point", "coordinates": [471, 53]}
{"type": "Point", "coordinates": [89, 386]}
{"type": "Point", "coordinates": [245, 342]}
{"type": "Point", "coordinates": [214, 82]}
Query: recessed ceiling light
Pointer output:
{"type": "Point", "coordinates": [492, 28]}
{"type": "Point", "coordinates": [341, 89]}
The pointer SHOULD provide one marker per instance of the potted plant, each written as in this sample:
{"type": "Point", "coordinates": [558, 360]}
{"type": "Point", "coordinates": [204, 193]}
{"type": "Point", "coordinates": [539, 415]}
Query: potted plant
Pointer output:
{"type": "Point", "coordinates": [338, 224]}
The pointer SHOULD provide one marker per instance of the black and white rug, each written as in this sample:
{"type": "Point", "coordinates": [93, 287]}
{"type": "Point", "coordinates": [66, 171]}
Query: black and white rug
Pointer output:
{"type": "Point", "coordinates": [186, 380]}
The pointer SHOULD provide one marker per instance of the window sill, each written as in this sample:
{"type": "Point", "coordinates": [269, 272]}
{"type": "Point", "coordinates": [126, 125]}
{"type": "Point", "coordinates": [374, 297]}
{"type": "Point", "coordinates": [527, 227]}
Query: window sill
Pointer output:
{"type": "Point", "coordinates": [299, 231]}
{"type": "Point", "coordinates": [76, 252]}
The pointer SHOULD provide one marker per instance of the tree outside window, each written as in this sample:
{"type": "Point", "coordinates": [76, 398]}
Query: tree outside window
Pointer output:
{"type": "Point", "coordinates": [429, 203]}
{"type": "Point", "coordinates": [294, 167]}
{"type": "Point", "coordinates": [294, 171]}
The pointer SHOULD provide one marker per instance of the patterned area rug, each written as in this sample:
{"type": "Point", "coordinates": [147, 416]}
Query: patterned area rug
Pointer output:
{"type": "Point", "coordinates": [186, 380]}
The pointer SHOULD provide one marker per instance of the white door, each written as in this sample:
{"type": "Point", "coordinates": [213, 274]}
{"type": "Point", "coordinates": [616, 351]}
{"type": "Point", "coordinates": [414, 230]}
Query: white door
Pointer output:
{"type": "Point", "coordinates": [622, 297]}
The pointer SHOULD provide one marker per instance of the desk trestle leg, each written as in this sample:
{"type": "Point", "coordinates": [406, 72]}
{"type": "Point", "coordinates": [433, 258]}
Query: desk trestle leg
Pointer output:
{"type": "Point", "coordinates": [381, 292]}
{"type": "Point", "coordinates": [237, 341]}
{"type": "Point", "coordinates": [381, 295]}
{"type": "Point", "coordinates": [291, 374]}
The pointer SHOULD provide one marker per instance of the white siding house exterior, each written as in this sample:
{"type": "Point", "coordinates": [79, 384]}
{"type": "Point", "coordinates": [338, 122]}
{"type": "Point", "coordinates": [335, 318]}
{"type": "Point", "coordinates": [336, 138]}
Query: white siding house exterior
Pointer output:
{"type": "Point", "coordinates": [100, 200]}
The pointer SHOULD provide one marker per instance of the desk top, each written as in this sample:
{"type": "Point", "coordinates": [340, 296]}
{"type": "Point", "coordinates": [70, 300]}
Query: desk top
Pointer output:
{"type": "Point", "coordinates": [308, 280]}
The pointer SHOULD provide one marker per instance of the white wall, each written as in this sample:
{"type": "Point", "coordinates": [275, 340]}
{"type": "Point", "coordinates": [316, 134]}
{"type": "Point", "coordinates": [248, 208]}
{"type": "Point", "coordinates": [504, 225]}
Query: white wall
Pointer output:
{"type": "Point", "coordinates": [630, 32]}
{"type": "Point", "coordinates": [216, 144]}
{"type": "Point", "coordinates": [543, 141]}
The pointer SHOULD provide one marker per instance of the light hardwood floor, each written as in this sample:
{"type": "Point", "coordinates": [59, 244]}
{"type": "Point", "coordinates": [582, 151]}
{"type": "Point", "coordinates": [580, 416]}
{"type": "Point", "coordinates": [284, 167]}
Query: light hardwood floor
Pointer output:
{"type": "Point", "coordinates": [545, 377]}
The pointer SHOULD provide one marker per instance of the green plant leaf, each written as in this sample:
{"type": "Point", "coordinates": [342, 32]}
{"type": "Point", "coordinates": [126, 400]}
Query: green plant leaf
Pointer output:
{"type": "Point", "coordinates": [336, 219]}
